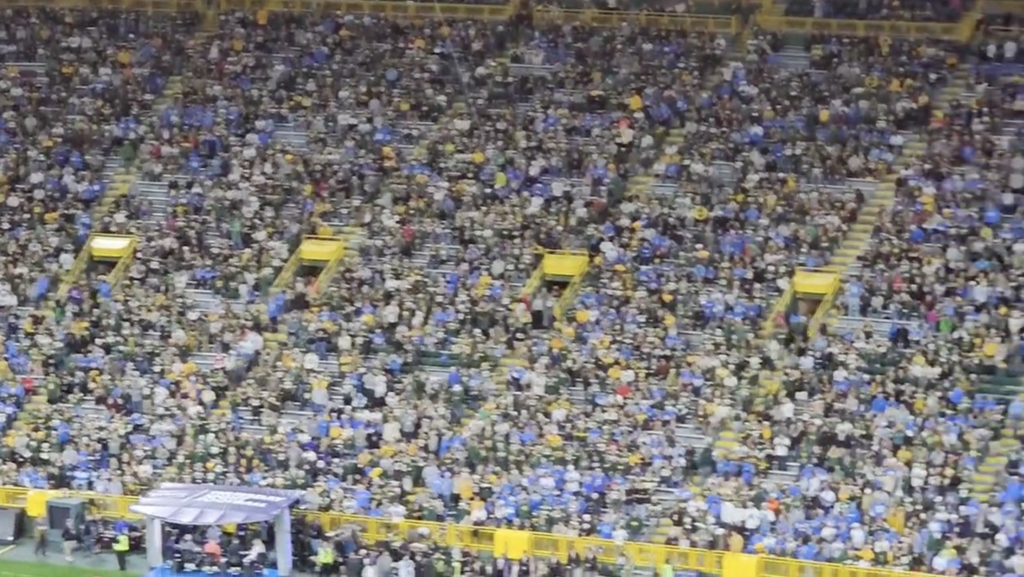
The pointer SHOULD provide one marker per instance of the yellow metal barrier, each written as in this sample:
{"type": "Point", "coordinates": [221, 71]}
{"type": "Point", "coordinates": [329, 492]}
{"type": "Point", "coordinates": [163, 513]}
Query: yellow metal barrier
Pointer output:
{"type": "Point", "coordinates": [611, 19]}
{"type": "Point", "coordinates": [134, 5]}
{"type": "Point", "coordinates": [1003, 6]}
{"type": "Point", "coordinates": [383, 8]}
{"type": "Point", "coordinates": [780, 567]}
{"type": "Point", "coordinates": [474, 538]}
{"type": "Point", "coordinates": [960, 31]}
{"type": "Point", "coordinates": [541, 545]}
{"type": "Point", "coordinates": [724, 6]}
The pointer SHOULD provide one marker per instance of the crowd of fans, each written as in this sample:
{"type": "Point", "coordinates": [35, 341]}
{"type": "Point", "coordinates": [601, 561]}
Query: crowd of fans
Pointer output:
{"type": "Point", "coordinates": [898, 10]}
{"type": "Point", "coordinates": [418, 380]}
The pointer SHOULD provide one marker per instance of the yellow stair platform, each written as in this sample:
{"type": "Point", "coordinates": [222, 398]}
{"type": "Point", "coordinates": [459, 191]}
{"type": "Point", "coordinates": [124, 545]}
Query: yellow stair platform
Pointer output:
{"type": "Point", "coordinates": [323, 252]}
{"type": "Point", "coordinates": [115, 248]}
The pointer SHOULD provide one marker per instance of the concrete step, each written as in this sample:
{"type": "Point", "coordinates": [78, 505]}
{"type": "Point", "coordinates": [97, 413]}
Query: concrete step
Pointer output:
{"type": "Point", "coordinates": [690, 435]}
{"type": "Point", "coordinates": [291, 136]}
{"type": "Point", "coordinates": [204, 361]}
{"type": "Point", "coordinates": [880, 327]}
{"type": "Point", "coordinates": [577, 395]}
{"type": "Point", "coordinates": [791, 58]}
{"type": "Point", "coordinates": [208, 301]}
{"type": "Point", "coordinates": [112, 166]}
{"type": "Point", "coordinates": [157, 195]}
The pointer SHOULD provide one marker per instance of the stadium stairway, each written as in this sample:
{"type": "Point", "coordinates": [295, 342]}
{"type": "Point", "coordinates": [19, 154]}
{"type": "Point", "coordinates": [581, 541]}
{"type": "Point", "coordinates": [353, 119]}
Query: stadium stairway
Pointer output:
{"type": "Point", "coordinates": [293, 138]}
{"type": "Point", "coordinates": [645, 186]}
{"type": "Point", "coordinates": [119, 179]}
{"type": "Point", "coordinates": [987, 480]}
{"type": "Point", "coordinates": [859, 236]}
{"type": "Point", "coordinates": [845, 261]}
{"type": "Point", "coordinates": [156, 193]}
{"type": "Point", "coordinates": [123, 177]}
{"type": "Point", "coordinates": [984, 481]}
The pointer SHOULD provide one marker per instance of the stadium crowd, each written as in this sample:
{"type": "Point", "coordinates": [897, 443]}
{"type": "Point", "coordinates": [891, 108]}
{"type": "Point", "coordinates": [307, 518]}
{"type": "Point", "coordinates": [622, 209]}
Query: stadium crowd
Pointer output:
{"type": "Point", "coordinates": [896, 10]}
{"type": "Point", "coordinates": [420, 383]}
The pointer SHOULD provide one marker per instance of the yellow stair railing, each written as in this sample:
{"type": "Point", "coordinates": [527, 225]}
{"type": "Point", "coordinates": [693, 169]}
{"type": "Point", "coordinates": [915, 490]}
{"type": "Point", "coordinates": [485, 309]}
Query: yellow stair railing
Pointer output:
{"type": "Point", "coordinates": [567, 298]}
{"type": "Point", "coordinates": [117, 274]}
{"type": "Point", "coordinates": [287, 272]}
{"type": "Point", "coordinates": [768, 327]}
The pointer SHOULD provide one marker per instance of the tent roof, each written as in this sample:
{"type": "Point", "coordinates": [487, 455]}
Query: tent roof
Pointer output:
{"type": "Point", "coordinates": [214, 504]}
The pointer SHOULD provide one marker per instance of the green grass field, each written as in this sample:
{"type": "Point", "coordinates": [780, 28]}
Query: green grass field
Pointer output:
{"type": "Point", "coordinates": [12, 568]}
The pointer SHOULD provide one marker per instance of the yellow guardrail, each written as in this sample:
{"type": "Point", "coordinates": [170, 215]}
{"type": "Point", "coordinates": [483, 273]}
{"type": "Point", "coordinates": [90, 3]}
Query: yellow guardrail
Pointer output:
{"type": "Point", "coordinates": [539, 545]}
{"type": "Point", "coordinates": [780, 567]}
{"type": "Point", "coordinates": [533, 283]}
{"type": "Point", "coordinates": [567, 298]}
{"type": "Point", "coordinates": [325, 275]}
{"type": "Point", "coordinates": [1013, 32]}
{"type": "Point", "coordinates": [779, 308]}
{"type": "Point", "coordinates": [134, 5]}
{"type": "Point", "coordinates": [959, 31]}
{"type": "Point", "coordinates": [117, 275]}
{"type": "Point", "coordinates": [418, 10]}
{"type": "Point", "coordinates": [1003, 6]}
{"type": "Point", "coordinates": [378, 7]}
{"type": "Point", "coordinates": [611, 19]}
{"type": "Point", "coordinates": [287, 272]}
{"type": "Point", "coordinates": [385, 8]}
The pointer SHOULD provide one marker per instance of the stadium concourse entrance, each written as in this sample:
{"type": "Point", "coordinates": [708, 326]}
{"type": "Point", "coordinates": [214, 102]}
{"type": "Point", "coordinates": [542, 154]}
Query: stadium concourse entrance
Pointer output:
{"type": "Point", "coordinates": [206, 505]}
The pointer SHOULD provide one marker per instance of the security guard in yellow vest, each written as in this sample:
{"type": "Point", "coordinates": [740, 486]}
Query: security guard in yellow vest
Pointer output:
{"type": "Point", "coordinates": [121, 547]}
{"type": "Point", "coordinates": [325, 558]}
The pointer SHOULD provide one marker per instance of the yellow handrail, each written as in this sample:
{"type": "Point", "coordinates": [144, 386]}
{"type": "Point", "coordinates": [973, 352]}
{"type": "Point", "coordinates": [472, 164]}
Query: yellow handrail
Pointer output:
{"type": "Point", "coordinates": [76, 270]}
{"type": "Point", "coordinates": [533, 283]}
{"type": "Point", "coordinates": [325, 275]}
{"type": "Point", "coordinates": [117, 275]}
{"type": "Point", "coordinates": [565, 301]}
{"type": "Point", "coordinates": [780, 307]}
{"type": "Point", "coordinates": [287, 272]}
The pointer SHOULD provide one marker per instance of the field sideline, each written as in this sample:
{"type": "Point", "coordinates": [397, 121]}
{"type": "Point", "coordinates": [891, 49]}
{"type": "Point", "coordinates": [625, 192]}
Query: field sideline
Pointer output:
{"type": "Point", "coordinates": [12, 568]}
